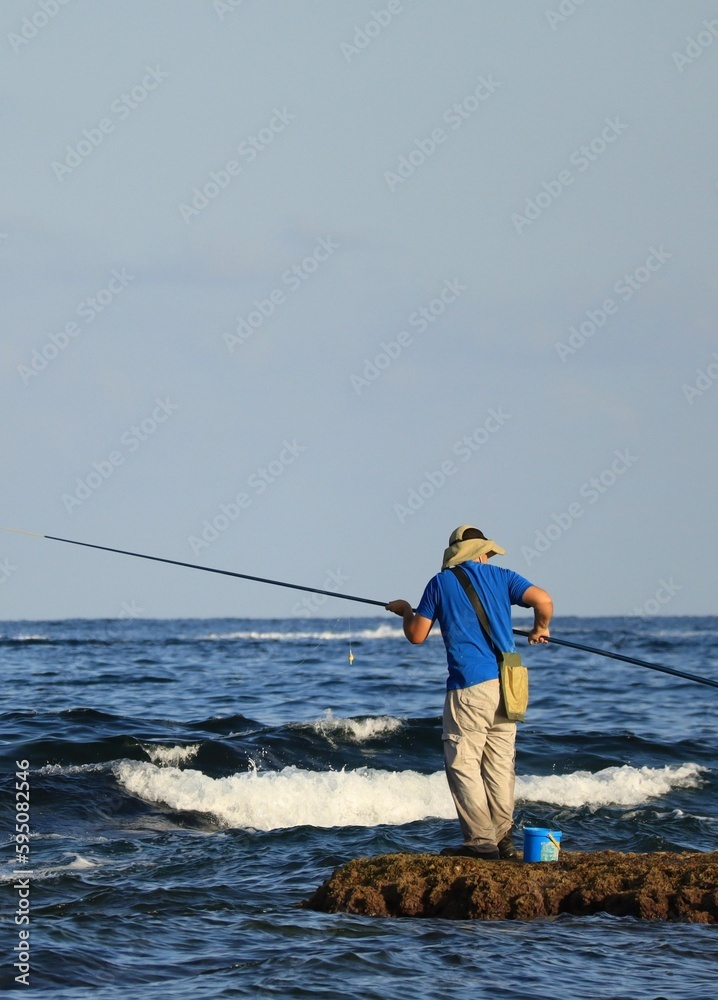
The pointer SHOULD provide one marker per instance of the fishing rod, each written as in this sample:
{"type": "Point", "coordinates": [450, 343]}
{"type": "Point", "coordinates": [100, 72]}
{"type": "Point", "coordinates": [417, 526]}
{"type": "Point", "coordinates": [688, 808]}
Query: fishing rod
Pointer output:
{"type": "Point", "coordinates": [627, 659]}
{"type": "Point", "coordinates": [205, 569]}
{"type": "Point", "coordinates": [351, 597]}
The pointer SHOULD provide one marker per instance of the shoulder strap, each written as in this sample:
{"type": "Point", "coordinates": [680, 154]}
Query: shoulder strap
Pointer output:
{"type": "Point", "coordinates": [463, 577]}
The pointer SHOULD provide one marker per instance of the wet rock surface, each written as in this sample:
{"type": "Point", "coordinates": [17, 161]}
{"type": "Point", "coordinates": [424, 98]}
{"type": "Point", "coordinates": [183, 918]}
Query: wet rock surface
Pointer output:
{"type": "Point", "coordinates": [660, 886]}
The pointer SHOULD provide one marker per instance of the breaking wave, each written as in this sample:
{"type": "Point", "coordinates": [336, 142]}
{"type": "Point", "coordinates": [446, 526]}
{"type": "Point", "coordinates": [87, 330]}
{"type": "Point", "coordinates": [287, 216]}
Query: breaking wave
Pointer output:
{"type": "Point", "coordinates": [272, 800]}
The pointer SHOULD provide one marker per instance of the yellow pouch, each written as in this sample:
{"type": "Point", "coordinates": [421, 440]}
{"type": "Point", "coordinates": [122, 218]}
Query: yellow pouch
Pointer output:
{"type": "Point", "coordinates": [514, 679]}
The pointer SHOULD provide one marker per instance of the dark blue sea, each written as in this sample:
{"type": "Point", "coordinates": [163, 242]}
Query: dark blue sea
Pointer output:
{"type": "Point", "coordinates": [192, 781]}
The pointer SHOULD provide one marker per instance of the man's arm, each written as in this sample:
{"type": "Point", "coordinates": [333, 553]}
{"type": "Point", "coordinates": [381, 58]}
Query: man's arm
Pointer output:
{"type": "Point", "coordinates": [542, 604]}
{"type": "Point", "coordinates": [416, 628]}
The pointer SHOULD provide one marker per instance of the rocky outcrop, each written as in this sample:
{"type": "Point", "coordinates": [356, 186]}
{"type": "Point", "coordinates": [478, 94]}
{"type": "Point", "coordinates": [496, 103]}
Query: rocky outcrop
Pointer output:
{"type": "Point", "coordinates": [661, 886]}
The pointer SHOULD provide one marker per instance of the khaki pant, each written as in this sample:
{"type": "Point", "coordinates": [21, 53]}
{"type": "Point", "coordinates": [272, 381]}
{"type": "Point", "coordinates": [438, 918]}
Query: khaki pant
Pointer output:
{"type": "Point", "coordinates": [479, 755]}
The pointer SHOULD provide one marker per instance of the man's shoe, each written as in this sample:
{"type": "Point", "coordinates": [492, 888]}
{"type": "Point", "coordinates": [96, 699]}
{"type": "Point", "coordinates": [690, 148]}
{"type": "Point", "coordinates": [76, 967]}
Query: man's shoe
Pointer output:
{"type": "Point", "coordinates": [466, 851]}
{"type": "Point", "coordinates": [506, 847]}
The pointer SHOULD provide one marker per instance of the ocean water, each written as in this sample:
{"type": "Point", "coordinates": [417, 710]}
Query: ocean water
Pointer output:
{"type": "Point", "coordinates": [192, 781]}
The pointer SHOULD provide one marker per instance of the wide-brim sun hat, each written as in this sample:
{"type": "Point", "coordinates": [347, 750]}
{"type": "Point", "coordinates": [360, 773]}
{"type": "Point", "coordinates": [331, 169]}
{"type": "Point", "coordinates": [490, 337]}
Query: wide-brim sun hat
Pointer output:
{"type": "Point", "coordinates": [467, 542]}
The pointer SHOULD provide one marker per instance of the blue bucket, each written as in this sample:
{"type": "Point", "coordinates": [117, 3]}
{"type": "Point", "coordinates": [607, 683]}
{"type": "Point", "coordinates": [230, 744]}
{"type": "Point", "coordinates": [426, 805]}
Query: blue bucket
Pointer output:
{"type": "Point", "coordinates": [541, 844]}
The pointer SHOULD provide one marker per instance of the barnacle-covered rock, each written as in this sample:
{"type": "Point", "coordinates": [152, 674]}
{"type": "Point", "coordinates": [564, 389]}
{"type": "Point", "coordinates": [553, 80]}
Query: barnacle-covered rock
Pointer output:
{"type": "Point", "coordinates": [660, 886]}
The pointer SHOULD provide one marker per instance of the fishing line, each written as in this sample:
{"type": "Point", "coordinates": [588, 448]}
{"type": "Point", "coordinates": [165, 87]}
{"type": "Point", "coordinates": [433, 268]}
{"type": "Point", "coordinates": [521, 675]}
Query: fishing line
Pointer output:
{"type": "Point", "coordinates": [362, 600]}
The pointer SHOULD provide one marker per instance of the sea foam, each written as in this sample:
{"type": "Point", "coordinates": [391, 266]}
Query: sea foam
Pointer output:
{"type": "Point", "coordinates": [167, 756]}
{"type": "Point", "coordinates": [613, 786]}
{"type": "Point", "coordinates": [272, 800]}
{"type": "Point", "coordinates": [356, 730]}
{"type": "Point", "coordinates": [271, 635]}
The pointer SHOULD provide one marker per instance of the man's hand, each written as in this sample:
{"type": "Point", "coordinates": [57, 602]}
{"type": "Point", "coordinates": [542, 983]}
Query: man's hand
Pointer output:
{"type": "Point", "coordinates": [401, 608]}
{"type": "Point", "coordinates": [416, 628]}
{"type": "Point", "coordinates": [537, 635]}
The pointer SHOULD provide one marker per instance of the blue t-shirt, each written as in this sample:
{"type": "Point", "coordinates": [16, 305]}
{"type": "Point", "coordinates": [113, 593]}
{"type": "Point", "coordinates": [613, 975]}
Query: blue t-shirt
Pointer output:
{"type": "Point", "coordinates": [470, 658]}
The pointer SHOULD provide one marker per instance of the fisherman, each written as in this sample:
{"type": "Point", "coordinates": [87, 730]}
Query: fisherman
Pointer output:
{"type": "Point", "coordinates": [478, 737]}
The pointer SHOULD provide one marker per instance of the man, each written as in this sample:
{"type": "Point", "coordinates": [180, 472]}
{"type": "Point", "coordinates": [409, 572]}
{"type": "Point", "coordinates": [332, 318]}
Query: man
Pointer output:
{"type": "Point", "coordinates": [479, 739]}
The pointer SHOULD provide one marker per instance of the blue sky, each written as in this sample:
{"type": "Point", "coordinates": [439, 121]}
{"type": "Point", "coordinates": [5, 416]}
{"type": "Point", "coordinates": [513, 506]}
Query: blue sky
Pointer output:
{"type": "Point", "coordinates": [294, 289]}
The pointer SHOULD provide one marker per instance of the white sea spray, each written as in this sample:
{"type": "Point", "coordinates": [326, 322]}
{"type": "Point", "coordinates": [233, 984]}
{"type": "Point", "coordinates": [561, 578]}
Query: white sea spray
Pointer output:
{"type": "Point", "coordinates": [356, 730]}
{"type": "Point", "coordinates": [271, 800]}
{"type": "Point", "coordinates": [167, 756]}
